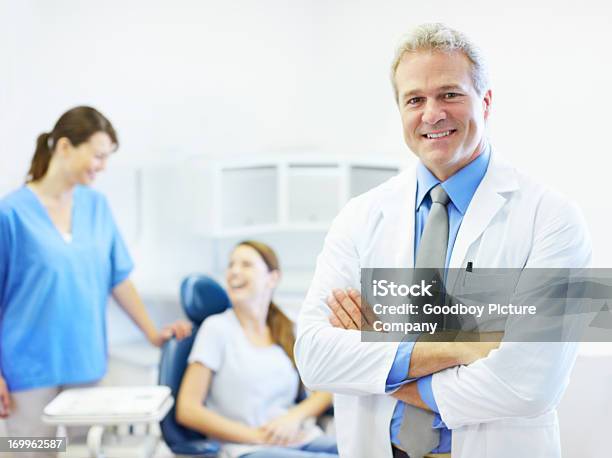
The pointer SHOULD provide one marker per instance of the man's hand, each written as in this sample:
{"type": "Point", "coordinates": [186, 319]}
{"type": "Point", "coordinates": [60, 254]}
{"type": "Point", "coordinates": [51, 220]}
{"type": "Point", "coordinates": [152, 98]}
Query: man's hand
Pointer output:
{"type": "Point", "coordinates": [461, 348]}
{"type": "Point", "coordinates": [478, 350]}
{"type": "Point", "coordinates": [348, 311]}
{"type": "Point", "coordinates": [409, 393]}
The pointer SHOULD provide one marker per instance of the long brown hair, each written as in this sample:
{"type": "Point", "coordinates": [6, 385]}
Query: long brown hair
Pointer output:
{"type": "Point", "coordinates": [281, 327]}
{"type": "Point", "coordinates": [77, 125]}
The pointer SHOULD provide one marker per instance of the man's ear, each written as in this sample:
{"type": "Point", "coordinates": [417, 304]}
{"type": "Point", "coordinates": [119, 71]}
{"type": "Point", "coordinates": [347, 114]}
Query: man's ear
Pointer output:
{"type": "Point", "coordinates": [487, 100]}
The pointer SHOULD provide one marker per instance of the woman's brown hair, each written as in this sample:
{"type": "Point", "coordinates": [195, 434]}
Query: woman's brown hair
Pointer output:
{"type": "Point", "coordinates": [77, 125]}
{"type": "Point", "coordinates": [281, 327]}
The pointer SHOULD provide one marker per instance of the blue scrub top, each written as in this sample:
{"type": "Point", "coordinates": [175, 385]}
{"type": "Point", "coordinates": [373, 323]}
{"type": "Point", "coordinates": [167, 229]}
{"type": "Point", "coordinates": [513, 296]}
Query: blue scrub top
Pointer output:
{"type": "Point", "coordinates": [53, 293]}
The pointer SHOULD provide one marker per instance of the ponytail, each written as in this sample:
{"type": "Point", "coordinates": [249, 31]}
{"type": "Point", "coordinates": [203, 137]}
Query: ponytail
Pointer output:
{"type": "Point", "coordinates": [281, 330]}
{"type": "Point", "coordinates": [41, 158]}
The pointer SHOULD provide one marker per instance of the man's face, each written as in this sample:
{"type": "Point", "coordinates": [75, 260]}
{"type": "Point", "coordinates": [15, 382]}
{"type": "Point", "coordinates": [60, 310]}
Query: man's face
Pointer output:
{"type": "Point", "coordinates": [443, 117]}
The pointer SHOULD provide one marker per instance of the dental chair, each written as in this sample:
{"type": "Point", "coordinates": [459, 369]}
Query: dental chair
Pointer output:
{"type": "Point", "coordinates": [201, 297]}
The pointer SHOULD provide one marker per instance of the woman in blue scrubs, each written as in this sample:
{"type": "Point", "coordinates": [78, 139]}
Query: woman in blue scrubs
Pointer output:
{"type": "Point", "coordinates": [61, 255]}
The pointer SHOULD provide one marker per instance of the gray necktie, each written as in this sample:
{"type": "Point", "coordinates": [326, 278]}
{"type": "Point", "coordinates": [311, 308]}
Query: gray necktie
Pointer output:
{"type": "Point", "coordinates": [416, 434]}
{"type": "Point", "coordinates": [434, 240]}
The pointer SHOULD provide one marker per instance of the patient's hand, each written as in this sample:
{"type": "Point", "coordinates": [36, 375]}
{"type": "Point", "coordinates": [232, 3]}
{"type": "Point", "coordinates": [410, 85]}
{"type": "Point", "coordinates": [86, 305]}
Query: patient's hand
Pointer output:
{"type": "Point", "coordinates": [283, 430]}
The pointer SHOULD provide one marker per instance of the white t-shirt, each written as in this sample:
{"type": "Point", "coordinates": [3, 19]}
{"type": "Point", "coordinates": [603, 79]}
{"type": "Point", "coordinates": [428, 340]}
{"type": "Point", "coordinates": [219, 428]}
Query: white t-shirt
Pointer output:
{"type": "Point", "coordinates": [250, 384]}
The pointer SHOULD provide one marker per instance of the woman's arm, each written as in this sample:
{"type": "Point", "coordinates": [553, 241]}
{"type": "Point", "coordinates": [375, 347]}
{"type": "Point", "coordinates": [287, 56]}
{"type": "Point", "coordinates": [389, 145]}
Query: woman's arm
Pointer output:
{"type": "Point", "coordinates": [313, 406]}
{"type": "Point", "coordinates": [192, 414]}
{"type": "Point", "coordinates": [129, 300]}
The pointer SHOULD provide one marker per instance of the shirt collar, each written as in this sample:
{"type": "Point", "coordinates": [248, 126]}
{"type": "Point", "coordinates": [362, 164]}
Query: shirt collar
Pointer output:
{"type": "Point", "coordinates": [460, 187]}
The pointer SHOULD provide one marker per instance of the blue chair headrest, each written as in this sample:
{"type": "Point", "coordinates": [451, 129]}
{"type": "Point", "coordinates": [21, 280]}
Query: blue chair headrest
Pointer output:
{"type": "Point", "coordinates": [201, 296]}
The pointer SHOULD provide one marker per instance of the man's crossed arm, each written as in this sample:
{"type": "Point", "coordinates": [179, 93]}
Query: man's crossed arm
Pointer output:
{"type": "Point", "coordinates": [427, 356]}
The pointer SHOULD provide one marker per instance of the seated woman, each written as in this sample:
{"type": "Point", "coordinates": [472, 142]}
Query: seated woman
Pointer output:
{"type": "Point", "coordinates": [241, 383]}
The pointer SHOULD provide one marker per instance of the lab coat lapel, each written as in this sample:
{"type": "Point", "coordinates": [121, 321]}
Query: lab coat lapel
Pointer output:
{"type": "Point", "coordinates": [488, 199]}
{"type": "Point", "coordinates": [398, 213]}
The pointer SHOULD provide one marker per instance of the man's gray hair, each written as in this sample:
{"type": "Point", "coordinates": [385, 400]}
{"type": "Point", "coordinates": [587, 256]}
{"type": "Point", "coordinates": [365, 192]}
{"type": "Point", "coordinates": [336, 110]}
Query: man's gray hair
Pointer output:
{"type": "Point", "coordinates": [439, 37]}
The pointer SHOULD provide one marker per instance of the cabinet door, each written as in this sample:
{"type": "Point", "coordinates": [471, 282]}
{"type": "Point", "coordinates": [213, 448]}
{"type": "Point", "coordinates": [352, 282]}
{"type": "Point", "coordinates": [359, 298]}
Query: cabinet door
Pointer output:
{"type": "Point", "coordinates": [249, 196]}
{"type": "Point", "coordinates": [313, 193]}
{"type": "Point", "coordinates": [363, 178]}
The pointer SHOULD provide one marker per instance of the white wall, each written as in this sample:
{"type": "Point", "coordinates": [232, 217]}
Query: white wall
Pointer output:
{"type": "Point", "coordinates": [177, 78]}
{"type": "Point", "coordinates": [211, 77]}
{"type": "Point", "coordinates": [218, 78]}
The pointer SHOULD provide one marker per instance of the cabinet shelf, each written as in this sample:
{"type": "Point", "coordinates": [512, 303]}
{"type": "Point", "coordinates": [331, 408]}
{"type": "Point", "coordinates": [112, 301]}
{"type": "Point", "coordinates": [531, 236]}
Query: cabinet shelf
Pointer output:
{"type": "Point", "coordinates": [280, 193]}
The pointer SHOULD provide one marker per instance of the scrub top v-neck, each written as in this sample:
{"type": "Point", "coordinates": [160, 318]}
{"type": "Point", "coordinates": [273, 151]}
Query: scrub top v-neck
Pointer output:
{"type": "Point", "coordinates": [53, 293]}
{"type": "Point", "coordinates": [66, 236]}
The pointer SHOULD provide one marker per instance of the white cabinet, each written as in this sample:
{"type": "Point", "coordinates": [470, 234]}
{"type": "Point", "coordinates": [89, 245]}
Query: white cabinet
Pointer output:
{"type": "Point", "coordinates": [314, 193]}
{"type": "Point", "coordinates": [363, 178]}
{"type": "Point", "coordinates": [279, 193]}
{"type": "Point", "coordinates": [249, 196]}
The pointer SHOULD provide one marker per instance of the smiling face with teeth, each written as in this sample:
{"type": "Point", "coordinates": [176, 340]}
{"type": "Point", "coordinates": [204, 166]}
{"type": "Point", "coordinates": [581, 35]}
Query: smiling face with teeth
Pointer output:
{"type": "Point", "coordinates": [249, 281]}
{"type": "Point", "coordinates": [443, 116]}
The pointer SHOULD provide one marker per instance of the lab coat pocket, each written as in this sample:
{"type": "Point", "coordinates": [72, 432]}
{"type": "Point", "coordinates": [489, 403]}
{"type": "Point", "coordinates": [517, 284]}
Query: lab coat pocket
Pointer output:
{"type": "Point", "coordinates": [479, 288]}
{"type": "Point", "coordinates": [490, 282]}
{"type": "Point", "coordinates": [536, 437]}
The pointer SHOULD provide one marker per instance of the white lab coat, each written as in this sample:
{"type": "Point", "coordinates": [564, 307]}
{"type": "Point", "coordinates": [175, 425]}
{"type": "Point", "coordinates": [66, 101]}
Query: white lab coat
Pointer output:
{"type": "Point", "coordinates": [501, 406]}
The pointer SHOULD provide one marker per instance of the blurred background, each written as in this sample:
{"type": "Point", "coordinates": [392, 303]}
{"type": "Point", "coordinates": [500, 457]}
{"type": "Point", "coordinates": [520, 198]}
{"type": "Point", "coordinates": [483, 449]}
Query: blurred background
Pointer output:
{"type": "Point", "coordinates": [249, 119]}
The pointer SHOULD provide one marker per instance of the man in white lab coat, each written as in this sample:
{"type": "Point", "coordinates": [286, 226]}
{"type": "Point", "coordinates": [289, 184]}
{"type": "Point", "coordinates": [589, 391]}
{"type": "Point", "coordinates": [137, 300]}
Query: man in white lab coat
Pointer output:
{"type": "Point", "coordinates": [495, 406]}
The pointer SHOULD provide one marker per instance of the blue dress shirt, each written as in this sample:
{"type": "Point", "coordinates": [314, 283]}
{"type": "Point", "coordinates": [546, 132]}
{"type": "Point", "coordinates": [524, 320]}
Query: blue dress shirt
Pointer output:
{"type": "Point", "coordinates": [460, 188]}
